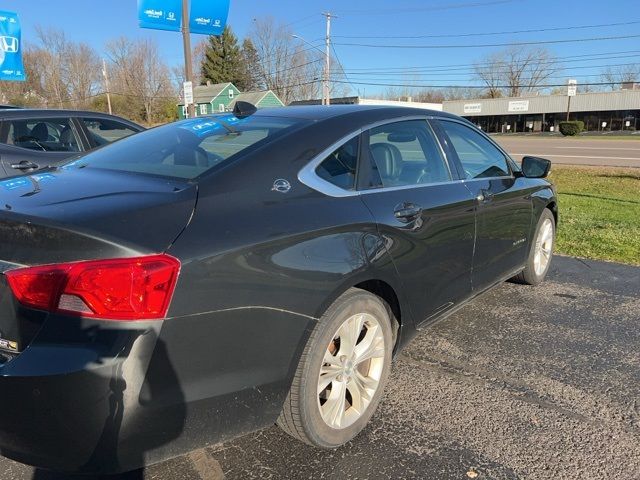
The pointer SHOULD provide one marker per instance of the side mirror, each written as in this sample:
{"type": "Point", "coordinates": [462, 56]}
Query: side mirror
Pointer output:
{"type": "Point", "coordinates": [535, 167]}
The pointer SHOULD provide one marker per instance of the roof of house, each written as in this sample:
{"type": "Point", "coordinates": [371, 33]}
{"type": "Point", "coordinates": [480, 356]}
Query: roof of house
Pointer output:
{"type": "Point", "coordinates": [206, 93]}
{"type": "Point", "coordinates": [252, 97]}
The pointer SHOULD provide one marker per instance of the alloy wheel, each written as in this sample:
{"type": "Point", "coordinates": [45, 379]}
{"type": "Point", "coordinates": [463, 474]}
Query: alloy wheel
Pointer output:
{"type": "Point", "coordinates": [351, 370]}
{"type": "Point", "coordinates": [543, 247]}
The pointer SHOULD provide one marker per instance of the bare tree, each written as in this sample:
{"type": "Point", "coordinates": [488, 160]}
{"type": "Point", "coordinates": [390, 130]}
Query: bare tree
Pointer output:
{"type": "Point", "coordinates": [52, 62]}
{"type": "Point", "coordinates": [288, 67]}
{"type": "Point", "coordinates": [617, 76]}
{"type": "Point", "coordinates": [139, 73]}
{"type": "Point", "coordinates": [83, 72]}
{"type": "Point", "coordinates": [516, 70]}
{"type": "Point", "coordinates": [60, 73]}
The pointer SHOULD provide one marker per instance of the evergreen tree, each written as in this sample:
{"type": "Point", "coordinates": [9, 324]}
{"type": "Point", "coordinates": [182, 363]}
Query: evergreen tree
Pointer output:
{"type": "Point", "coordinates": [251, 67]}
{"type": "Point", "coordinates": [223, 61]}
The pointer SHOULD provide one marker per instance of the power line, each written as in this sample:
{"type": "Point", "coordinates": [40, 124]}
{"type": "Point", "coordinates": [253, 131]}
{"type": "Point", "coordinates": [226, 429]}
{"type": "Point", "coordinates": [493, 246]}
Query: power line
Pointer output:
{"type": "Point", "coordinates": [335, 54]}
{"type": "Point", "coordinates": [567, 59]}
{"type": "Point", "coordinates": [552, 77]}
{"type": "Point", "coordinates": [451, 6]}
{"type": "Point", "coordinates": [483, 45]}
{"type": "Point", "coordinates": [478, 86]}
{"type": "Point", "coordinates": [497, 70]}
{"type": "Point", "coordinates": [485, 34]}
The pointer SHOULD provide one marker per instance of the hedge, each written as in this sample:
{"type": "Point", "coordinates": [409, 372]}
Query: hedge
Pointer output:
{"type": "Point", "coordinates": [571, 128]}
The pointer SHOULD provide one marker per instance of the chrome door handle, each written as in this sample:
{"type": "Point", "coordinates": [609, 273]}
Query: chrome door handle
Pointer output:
{"type": "Point", "coordinates": [484, 196]}
{"type": "Point", "coordinates": [407, 212]}
{"type": "Point", "coordinates": [24, 165]}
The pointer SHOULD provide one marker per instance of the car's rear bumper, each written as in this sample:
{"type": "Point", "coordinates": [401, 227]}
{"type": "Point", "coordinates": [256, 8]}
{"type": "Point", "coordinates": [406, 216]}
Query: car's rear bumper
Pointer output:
{"type": "Point", "coordinates": [109, 397]}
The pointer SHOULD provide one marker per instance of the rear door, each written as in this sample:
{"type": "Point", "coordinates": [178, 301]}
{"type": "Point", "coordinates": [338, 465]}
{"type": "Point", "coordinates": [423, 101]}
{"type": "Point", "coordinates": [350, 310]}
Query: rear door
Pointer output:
{"type": "Point", "coordinates": [423, 210]}
{"type": "Point", "coordinates": [504, 205]}
{"type": "Point", "coordinates": [33, 143]}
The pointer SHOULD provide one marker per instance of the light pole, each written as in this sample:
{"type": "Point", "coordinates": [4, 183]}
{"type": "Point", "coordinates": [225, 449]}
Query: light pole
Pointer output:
{"type": "Point", "coordinates": [325, 78]}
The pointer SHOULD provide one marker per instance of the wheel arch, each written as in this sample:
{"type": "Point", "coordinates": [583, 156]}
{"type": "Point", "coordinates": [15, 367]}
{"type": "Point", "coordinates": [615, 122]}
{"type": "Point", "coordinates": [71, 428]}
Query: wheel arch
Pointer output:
{"type": "Point", "coordinates": [553, 206]}
{"type": "Point", "coordinates": [389, 292]}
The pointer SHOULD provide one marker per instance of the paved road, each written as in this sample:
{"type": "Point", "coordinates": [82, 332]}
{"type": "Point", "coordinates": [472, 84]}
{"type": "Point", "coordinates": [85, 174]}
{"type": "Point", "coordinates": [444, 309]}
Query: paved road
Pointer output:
{"type": "Point", "coordinates": [524, 382]}
{"type": "Point", "coordinates": [572, 151]}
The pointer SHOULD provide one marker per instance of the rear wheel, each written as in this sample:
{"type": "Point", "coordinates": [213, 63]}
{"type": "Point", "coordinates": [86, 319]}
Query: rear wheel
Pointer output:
{"type": "Point", "coordinates": [342, 372]}
{"type": "Point", "coordinates": [541, 251]}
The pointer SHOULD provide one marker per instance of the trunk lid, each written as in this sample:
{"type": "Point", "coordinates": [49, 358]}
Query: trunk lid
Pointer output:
{"type": "Point", "coordinates": [80, 214]}
{"type": "Point", "coordinates": [76, 214]}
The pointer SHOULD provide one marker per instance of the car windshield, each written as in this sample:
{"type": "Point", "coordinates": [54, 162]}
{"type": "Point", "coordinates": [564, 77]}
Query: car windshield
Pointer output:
{"type": "Point", "coordinates": [189, 148]}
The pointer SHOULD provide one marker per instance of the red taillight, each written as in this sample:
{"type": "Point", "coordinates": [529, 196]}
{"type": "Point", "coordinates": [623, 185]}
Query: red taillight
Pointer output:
{"type": "Point", "coordinates": [118, 289]}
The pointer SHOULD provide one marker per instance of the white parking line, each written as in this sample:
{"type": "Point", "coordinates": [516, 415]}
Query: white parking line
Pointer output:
{"type": "Point", "coordinates": [576, 156]}
{"type": "Point", "coordinates": [601, 148]}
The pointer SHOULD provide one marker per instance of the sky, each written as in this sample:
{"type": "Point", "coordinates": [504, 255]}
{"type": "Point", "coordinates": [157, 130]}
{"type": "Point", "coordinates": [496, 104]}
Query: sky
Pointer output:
{"type": "Point", "coordinates": [451, 23]}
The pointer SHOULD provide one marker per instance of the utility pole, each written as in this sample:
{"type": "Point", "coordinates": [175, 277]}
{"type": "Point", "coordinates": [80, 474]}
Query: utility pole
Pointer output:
{"type": "Point", "coordinates": [188, 63]}
{"type": "Point", "coordinates": [106, 84]}
{"type": "Point", "coordinates": [326, 94]}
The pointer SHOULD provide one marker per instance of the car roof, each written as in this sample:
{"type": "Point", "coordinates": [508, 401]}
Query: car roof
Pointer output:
{"type": "Point", "coordinates": [50, 113]}
{"type": "Point", "coordinates": [323, 112]}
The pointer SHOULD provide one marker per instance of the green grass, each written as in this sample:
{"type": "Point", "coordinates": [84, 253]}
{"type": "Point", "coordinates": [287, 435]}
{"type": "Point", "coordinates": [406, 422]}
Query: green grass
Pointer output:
{"type": "Point", "coordinates": [599, 209]}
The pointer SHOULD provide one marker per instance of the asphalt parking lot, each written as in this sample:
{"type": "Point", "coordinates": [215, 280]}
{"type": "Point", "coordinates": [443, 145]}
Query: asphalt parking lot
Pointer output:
{"type": "Point", "coordinates": [523, 383]}
{"type": "Point", "coordinates": [574, 151]}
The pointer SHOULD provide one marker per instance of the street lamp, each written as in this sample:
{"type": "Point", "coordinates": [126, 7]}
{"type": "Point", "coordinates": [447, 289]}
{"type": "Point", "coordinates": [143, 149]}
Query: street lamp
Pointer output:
{"type": "Point", "coordinates": [325, 81]}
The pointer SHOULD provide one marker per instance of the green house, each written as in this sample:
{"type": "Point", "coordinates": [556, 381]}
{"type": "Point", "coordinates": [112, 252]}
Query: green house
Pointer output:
{"type": "Point", "coordinates": [210, 98]}
{"type": "Point", "coordinates": [221, 97]}
{"type": "Point", "coordinates": [264, 99]}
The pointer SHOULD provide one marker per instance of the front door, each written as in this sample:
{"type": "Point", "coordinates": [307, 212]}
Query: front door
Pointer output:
{"type": "Point", "coordinates": [504, 205]}
{"type": "Point", "coordinates": [423, 211]}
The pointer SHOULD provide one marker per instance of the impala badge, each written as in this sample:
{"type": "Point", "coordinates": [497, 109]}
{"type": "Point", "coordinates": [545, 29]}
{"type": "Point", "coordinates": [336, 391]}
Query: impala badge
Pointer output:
{"type": "Point", "coordinates": [281, 185]}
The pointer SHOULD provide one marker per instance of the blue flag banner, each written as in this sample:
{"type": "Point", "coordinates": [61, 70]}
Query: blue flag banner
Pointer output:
{"type": "Point", "coordinates": [11, 67]}
{"type": "Point", "coordinates": [208, 17]}
{"type": "Point", "coordinates": [160, 14]}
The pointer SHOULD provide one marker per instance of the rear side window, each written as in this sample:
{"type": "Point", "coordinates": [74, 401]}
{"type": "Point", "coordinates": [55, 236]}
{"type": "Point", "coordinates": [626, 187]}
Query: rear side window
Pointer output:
{"type": "Point", "coordinates": [103, 131]}
{"type": "Point", "coordinates": [479, 157]}
{"type": "Point", "coordinates": [44, 135]}
{"type": "Point", "coordinates": [339, 168]}
{"type": "Point", "coordinates": [189, 148]}
{"type": "Point", "coordinates": [406, 153]}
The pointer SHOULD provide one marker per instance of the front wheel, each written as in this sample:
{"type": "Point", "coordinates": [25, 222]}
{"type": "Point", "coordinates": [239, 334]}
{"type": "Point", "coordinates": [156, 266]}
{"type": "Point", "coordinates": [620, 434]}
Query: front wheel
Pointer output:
{"type": "Point", "coordinates": [541, 252]}
{"type": "Point", "coordinates": [342, 372]}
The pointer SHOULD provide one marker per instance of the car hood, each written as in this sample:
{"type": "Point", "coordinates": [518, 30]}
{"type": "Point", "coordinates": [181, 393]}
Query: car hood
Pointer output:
{"type": "Point", "coordinates": [82, 213]}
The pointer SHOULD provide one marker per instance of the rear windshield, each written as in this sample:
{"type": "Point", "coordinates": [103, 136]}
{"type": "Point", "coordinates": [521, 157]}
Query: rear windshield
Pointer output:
{"type": "Point", "coordinates": [189, 148]}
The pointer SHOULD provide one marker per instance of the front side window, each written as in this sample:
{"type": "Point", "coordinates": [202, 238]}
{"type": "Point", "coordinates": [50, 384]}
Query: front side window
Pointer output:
{"type": "Point", "coordinates": [405, 153]}
{"type": "Point", "coordinates": [479, 157]}
{"type": "Point", "coordinates": [103, 131]}
{"type": "Point", "coordinates": [45, 135]}
{"type": "Point", "coordinates": [189, 148]}
{"type": "Point", "coordinates": [339, 168]}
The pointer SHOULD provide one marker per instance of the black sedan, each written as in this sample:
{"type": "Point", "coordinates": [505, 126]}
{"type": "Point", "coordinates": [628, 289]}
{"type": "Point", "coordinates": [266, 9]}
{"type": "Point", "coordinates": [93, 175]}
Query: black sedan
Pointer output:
{"type": "Point", "coordinates": [211, 277]}
{"type": "Point", "coordinates": [31, 139]}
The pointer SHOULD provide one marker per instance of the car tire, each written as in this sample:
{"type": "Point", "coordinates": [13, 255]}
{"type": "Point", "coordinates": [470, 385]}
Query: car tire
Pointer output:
{"type": "Point", "coordinates": [329, 411]}
{"type": "Point", "coordinates": [541, 251]}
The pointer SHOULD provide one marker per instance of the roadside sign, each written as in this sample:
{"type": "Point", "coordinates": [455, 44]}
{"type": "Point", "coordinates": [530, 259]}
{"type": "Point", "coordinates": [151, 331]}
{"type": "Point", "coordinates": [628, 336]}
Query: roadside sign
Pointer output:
{"type": "Point", "coordinates": [208, 17]}
{"type": "Point", "coordinates": [160, 14]}
{"type": "Point", "coordinates": [11, 67]}
{"type": "Point", "coordinates": [518, 106]}
{"type": "Point", "coordinates": [187, 88]}
{"type": "Point", "coordinates": [572, 88]}
{"type": "Point", "coordinates": [472, 108]}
